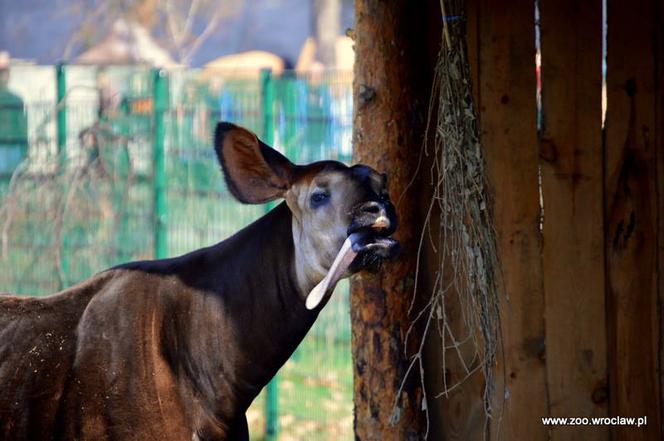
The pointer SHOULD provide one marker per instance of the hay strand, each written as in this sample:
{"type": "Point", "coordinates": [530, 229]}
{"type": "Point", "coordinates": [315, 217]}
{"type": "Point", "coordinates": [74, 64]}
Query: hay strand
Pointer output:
{"type": "Point", "coordinates": [457, 226]}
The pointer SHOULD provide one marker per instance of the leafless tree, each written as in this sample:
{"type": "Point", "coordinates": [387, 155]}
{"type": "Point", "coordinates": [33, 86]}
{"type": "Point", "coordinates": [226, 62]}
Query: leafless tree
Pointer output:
{"type": "Point", "coordinates": [182, 26]}
{"type": "Point", "coordinates": [326, 20]}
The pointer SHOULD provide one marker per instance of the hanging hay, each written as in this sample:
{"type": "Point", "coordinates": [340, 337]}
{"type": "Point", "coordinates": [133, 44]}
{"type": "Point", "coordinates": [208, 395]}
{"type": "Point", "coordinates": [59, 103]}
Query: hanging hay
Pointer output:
{"type": "Point", "coordinates": [458, 225]}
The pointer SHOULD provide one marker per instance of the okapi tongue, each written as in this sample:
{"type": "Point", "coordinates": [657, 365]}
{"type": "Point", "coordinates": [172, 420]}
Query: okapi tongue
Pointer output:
{"type": "Point", "coordinates": [339, 266]}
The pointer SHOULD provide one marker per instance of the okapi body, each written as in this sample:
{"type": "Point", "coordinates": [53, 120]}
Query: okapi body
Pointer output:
{"type": "Point", "coordinates": [177, 349]}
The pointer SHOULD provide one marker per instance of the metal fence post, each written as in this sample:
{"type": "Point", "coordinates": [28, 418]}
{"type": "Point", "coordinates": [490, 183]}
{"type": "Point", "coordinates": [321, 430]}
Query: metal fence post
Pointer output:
{"type": "Point", "coordinates": [289, 106]}
{"type": "Point", "coordinates": [121, 195]}
{"type": "Point", "coordinates": [61, 139]}
{"type": "Point", "coordinates": [272, 389]}
{"type": "Point", "coordinates": [267, 98]}
{"type": "Point", "coordinates": [287, 97]}
{"type": "Point", "coordinates": [61, 110]}
{"type": "Point", "coordinates": [159, 108]}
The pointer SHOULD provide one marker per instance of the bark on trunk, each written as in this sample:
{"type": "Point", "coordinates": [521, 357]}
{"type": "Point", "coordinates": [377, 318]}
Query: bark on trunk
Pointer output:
{"type": "Point", "coordinates": [392, 85]}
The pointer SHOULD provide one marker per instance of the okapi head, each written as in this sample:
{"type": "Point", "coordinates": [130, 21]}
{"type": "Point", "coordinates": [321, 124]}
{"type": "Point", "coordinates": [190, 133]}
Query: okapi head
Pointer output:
{"type": "Point", "coordinates": [331, 204]}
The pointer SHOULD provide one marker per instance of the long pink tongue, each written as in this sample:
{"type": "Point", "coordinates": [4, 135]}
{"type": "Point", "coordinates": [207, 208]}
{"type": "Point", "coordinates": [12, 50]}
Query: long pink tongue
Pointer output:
{"type": "Point", "coordinates": [339, 266]}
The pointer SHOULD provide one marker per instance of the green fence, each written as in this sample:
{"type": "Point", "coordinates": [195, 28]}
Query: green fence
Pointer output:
{"type": "Point", "coordinates": [119, 166]}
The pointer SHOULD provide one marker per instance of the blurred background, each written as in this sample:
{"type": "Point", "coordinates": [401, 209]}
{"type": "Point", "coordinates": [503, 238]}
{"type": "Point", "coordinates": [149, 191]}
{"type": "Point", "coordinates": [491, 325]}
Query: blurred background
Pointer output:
{"type": "Point", "coordinates": [106, 115]}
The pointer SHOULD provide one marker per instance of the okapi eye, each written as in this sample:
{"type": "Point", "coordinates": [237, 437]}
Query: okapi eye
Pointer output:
{"type": "Point", "coordinates": [319, 198]}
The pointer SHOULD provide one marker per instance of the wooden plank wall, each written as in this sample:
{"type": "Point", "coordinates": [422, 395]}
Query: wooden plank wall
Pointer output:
{"type": "Point", "coordinates": [508, 132]}
{"type": "Point", "coordinates": [573, 236]}
{"type": "Point", "coordinates": [631, 217]}
{"type": "Point", "coordinates": [582, 317]}
{"type": "Point", "coordinates": [659, 147]}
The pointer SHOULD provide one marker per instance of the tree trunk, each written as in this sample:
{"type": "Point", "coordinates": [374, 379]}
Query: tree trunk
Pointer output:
{"type": "Point", "coordinates": [393, 68]}
{"type": "Point", "coordinates": [326, 23]}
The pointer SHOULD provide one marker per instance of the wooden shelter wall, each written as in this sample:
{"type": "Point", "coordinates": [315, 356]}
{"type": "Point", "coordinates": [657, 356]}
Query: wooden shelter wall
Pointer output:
{"type": "Point", "coordinates": [582, 312]}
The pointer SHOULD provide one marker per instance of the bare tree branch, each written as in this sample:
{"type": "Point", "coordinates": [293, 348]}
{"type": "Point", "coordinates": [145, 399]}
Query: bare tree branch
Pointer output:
{"type": "Point", "coordinates": [184, 24]}
{"type": "Point", "coordinates": [198, 41]}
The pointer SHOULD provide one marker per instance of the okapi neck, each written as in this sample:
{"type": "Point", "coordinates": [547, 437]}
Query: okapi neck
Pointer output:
{"type": "Point", "coordinates": [243, 287]}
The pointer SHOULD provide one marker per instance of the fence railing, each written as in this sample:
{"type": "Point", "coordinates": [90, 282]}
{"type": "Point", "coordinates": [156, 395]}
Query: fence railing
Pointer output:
{"type": "Point", "coordinates": [119, 166]}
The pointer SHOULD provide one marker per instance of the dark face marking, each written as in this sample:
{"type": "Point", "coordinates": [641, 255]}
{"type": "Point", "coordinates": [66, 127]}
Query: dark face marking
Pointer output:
{"type": "Point", "coordinates": [319, 198]}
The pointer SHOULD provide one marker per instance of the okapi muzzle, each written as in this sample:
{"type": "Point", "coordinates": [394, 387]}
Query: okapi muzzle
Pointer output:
{"type": "Point", "coordinates": [177, 349]}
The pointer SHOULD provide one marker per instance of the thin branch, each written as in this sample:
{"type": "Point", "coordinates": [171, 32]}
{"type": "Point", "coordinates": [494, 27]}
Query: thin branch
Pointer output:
{"type": "Point", "coordinates": [198, 41]}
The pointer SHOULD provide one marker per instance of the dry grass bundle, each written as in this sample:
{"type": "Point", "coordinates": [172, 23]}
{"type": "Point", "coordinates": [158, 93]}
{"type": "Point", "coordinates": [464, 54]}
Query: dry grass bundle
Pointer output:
{"type": "Point", "coordinates": [458, 226]}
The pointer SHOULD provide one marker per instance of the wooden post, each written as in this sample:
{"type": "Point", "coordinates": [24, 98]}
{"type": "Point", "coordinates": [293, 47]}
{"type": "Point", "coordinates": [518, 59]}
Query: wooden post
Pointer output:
{"type": "Point", "coordinates": [659, 147]}
{"type": "Point", "coordinates": [391, 90]}
{"type": "Point", "coordinates": [631, 217]}
{"type": "Point", "coordinates": [572, 183]}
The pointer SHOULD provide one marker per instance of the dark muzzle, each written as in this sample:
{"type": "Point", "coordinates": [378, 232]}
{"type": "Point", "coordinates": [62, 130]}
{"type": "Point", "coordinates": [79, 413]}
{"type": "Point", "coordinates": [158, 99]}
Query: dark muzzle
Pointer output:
{"type": "Point", "coordinates": [372, 224]}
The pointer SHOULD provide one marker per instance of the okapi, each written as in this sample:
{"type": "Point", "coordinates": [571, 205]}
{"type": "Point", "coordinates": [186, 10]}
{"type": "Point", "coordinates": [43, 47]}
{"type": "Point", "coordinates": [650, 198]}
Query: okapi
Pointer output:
{"type": "Point", "coordinates": [177, 349]}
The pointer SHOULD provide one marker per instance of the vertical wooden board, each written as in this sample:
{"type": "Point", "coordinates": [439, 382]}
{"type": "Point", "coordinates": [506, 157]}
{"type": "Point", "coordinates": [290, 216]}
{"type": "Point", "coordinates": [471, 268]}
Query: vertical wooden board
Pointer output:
{"type": "Point", "coordinates": [631, 218]}
{"type": "Point", "coordinates": [473, 45]}
{"type": "Point", "coordinates": [659, 147]}
{"type": "Point", "coordinates": [572, 190]}
{"type": "Point", "coordinates": [509, 141]}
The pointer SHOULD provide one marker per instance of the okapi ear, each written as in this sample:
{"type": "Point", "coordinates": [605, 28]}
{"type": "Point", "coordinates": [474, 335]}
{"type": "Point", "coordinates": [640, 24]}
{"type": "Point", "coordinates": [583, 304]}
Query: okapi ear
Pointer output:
{"type": "Point", "coordinates": [254, 172]}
